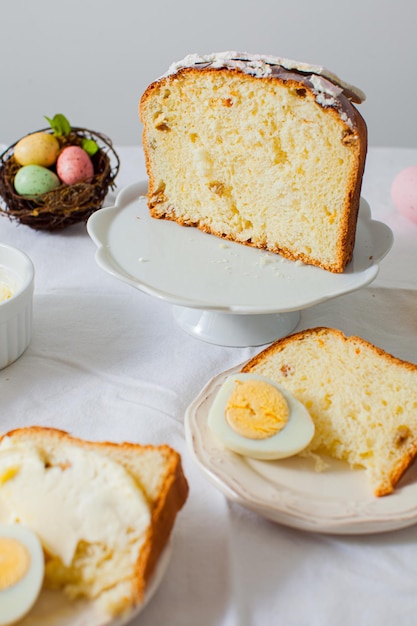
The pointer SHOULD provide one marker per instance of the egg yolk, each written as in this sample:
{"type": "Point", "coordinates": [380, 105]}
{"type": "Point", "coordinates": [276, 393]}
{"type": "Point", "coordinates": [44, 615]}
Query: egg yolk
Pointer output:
{"type": "Point", "coordinates": [256, 409]}
{"type": "Point", "coordinates": [14, 562]}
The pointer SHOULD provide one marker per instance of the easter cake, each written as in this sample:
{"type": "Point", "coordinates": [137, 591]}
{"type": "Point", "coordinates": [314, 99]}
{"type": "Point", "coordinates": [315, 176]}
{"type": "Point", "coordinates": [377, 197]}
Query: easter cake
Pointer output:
{"type": "Point", "coordinates": [259, 150]}
{"type": "Point", "coordinates": [363, 401]}
{"type": "Point", "coordinates": [103, 512]}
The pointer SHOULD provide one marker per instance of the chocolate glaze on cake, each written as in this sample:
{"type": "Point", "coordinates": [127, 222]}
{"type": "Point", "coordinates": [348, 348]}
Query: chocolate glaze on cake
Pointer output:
{"type": "Point", "coordinates": [329, 89]}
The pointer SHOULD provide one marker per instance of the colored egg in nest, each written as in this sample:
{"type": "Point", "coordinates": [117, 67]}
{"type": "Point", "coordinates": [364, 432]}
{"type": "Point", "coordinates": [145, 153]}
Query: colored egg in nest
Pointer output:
{"type": "Point", "coordinates": [74, 166]}
{"type": "Point", "coordinates": [34, 180]}
{"type": "Point", "coordinates": [37, 149]}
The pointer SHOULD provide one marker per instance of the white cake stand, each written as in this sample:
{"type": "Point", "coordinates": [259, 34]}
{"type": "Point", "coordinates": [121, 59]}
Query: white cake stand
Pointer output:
{"type": "Point", "coordinates": [222, 292]}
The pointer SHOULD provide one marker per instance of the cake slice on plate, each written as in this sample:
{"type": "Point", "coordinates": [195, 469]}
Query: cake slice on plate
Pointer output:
{"type": "Point", "coordinates": [363, 401]}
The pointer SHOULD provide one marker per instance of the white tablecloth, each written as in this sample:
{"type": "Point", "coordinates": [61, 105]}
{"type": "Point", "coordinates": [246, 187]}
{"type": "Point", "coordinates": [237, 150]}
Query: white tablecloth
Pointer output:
{"type": "Point", "coordinates": [109, 362]}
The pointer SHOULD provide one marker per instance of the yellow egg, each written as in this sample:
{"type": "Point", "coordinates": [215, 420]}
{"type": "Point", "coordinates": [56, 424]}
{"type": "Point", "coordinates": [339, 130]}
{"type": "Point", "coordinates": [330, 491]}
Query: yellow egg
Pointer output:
{"type": "Point", "coordinates": [255, 417]}
{"type": "Point", "coordinates": [37, 149]}
{"type": "Point", "coordinates": [21, 572]}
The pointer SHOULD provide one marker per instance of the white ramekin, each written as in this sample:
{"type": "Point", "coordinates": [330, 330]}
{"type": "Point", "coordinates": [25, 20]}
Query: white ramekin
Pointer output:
{"type": "Point", "coordinates": [17, 272]}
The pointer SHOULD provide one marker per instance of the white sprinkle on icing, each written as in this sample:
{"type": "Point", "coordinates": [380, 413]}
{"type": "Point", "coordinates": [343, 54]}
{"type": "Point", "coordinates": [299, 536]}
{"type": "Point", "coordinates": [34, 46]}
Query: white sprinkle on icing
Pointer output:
{"type": "Point", "coordinates": [261, 66]}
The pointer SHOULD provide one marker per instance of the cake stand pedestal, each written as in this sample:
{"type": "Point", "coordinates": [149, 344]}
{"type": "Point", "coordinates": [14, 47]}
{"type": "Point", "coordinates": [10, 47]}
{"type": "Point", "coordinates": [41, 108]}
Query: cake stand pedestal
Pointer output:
{"type": "Point", "coordinates": [226, 329]}
{"type": "Point", "coordinates": [223, 292]}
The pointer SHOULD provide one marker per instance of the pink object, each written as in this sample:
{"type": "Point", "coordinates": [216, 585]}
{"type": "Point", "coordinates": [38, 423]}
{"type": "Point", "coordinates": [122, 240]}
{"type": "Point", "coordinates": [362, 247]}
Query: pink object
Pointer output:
{"type": "Point", "coordinates": [74, 166]}
{"type": "Point", "coordinates": [404, 193]}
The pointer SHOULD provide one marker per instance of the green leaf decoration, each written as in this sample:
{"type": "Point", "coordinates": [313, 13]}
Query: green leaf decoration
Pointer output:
{"type": "Point", "coordinates": [90, 146]}
{"type": "Point", "coordinates": [59, 124]}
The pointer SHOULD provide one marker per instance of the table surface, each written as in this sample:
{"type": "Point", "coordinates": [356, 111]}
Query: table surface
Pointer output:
{"type": "Point", "coordinates": [108, 362]}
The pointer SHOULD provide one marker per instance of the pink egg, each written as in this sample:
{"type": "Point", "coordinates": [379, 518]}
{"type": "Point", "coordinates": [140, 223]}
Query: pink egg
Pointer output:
{"type": "Point", "coordinates": [74, 166]}
{"type": "Point", "coordinates": [404, 193]}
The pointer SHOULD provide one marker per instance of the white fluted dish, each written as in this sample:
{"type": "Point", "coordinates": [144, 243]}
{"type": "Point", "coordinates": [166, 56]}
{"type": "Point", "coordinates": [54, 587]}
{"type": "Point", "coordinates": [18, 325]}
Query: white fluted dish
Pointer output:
{"type": "Point", "coordinates": [17, 276]}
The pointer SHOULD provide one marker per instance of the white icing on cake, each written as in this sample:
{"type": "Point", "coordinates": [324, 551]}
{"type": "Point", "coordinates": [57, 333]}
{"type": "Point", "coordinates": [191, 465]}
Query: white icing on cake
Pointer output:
{"type": "Point", "coordinates": [325, 83]}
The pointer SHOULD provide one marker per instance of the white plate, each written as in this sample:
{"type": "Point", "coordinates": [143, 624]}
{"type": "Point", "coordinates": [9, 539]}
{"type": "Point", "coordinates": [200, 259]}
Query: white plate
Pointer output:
{"type": "Point", "coordinates": [338, 500]}
{"type": "Point", "coordinates": [203, 273]}
{"type": "Point", "coordinates": [54, 609]}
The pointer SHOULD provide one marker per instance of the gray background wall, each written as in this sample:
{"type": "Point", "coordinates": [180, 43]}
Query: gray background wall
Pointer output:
{"type": "Point", "coordinates": [92, 59]}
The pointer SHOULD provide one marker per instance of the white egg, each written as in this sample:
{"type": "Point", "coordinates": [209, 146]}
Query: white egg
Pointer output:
{"type": "Point", "coordinates": [21, 572]}
{"type": "Point", "coordinates": [291, 439]}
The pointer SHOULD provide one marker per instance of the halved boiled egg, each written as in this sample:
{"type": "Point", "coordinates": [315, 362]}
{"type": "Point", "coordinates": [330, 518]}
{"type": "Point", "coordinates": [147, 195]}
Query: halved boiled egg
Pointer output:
{"type": "Point", "coordinates": [21, 572]}
{"type": "Point", "coordinates": [255, 417]}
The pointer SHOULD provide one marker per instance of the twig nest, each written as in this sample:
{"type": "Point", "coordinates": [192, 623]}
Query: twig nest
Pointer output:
{"type": "Point", "coordinates": [65, 186]}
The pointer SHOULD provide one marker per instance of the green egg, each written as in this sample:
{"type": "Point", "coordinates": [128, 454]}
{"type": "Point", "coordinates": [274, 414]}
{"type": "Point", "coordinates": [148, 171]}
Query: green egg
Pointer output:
{"type": "Point", "coordinates": [34, 180]}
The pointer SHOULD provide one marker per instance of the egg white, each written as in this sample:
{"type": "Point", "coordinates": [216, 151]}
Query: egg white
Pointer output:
{"type": "Point", "coordinates": [17, 600]}
{"type": "Point", "coordinates": [294, 437]}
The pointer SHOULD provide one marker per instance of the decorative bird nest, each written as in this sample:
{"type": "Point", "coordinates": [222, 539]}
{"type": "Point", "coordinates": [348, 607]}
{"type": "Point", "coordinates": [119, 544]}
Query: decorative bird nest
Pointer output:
{"type": "Point", "coordinates": [67, 204]}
